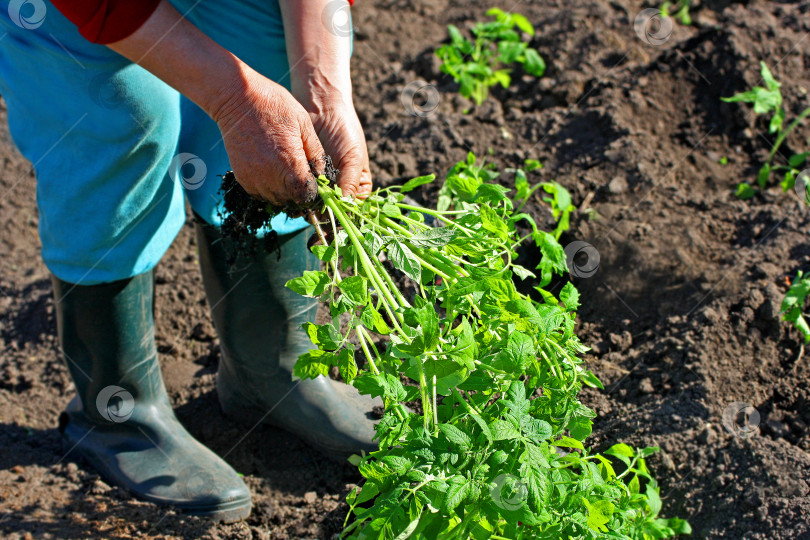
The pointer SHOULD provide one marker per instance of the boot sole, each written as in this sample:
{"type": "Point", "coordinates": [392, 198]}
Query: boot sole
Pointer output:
{"type": "Point", "coordinates": [220, 511]}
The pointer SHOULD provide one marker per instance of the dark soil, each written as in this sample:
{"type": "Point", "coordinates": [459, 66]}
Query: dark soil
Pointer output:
{"type": "Point", "coordinates": [682, 314]}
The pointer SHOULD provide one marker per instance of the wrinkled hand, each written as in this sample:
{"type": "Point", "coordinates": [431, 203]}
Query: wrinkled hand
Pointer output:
{"type": "Point", "coordinates": [270, 141]}
{"type": "Point", "coordinates": [342, 136]}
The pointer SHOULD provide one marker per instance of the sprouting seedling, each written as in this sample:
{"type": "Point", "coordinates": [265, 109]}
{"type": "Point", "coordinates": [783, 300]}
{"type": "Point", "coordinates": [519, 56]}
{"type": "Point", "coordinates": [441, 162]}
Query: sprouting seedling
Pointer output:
{"type": "Point", "coordinates": [478, 64]}
{"type": "Point", "coordinates": [497, 373]}
{"type": "Point", "coordinates": [679, 10]}
{"type": "Point", "coordinates": [793, 304]}
{"type": "Point", "coordinates": [768, 100]}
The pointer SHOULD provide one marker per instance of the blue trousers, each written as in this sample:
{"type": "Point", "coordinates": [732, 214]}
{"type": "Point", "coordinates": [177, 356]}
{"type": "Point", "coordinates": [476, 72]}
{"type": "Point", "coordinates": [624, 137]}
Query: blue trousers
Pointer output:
{"type": "Point", "coordinates": [115, 150]}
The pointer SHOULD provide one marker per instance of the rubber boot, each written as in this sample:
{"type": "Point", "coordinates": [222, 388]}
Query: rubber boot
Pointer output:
{"type": "Point", "coordinates": [259, 325]}
{"type": "Point", "coordinates": [121, 420]}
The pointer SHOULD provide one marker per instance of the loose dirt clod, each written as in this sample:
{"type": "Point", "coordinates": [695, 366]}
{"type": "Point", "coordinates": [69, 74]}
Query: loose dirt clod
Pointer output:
{"type": "Point", "coordinates": [244, 216]}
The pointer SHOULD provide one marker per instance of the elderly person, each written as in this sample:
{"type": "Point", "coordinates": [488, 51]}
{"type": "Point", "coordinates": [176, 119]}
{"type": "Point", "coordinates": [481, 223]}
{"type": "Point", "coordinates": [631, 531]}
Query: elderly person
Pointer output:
{"type": "Point", "coordinates": [128, 108]}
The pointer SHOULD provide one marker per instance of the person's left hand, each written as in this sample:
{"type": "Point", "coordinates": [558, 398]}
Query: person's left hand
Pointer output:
{"type": "Point", "coordinates": [342, 137]}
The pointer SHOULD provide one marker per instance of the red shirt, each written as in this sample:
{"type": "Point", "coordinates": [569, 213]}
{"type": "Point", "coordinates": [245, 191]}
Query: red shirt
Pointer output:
{"type": "Point", "coordinates": [108, 21]}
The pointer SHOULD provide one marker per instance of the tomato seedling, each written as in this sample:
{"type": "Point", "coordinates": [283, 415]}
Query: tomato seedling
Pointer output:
{"type": "Point", "coordinates": [793, 304]}
{"type": "Point", "coordinates": [679, 10]}
{"type": "Point", "coordinates": [768, 100]}
{"type": "Point", "coordinates": [496, 449]}
{"type": "Point", "coordinates": [478, 64]}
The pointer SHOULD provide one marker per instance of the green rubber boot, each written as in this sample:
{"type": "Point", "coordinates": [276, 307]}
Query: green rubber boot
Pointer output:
{"type": "Point", "coordinates": [259, 325]}
{"type": "Point", "coordinates": [121, 420]}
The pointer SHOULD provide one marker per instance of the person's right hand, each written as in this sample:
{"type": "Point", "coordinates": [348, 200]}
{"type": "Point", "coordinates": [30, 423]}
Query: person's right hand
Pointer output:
{"type": "Point", "coordinates": [270, 141]}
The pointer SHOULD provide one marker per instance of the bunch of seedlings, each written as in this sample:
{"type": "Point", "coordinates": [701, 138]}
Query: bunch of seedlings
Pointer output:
{"type": "Point", "coordinates": [492, 445]}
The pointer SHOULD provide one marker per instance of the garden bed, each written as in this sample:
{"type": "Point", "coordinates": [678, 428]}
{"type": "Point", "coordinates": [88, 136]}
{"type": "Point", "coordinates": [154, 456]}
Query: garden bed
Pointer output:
{"type": "Point", "coordinates": [682, 314]}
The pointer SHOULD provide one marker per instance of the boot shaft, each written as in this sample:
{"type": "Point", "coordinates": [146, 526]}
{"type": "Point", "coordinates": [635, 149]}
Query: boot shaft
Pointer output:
{"type": "Point", "coordinates": [107, 338]}
{"type": "Point", "coordinates": [258, 319]}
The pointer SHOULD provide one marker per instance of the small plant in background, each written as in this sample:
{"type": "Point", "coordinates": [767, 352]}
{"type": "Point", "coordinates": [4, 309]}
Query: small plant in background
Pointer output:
{"type": "Point", "coordinates": [478, 64]}
{"type": "Point", "coordinates": [768, 101]}
{"type": "Point", "coordinates": [793, 304]}
{"type": "Point", "coordinates": [496, 449]}
{"type": "Point", "coordinates": [679, 10]}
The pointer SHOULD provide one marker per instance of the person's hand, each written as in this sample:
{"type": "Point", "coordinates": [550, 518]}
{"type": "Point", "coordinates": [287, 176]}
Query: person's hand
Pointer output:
{"type": "Point", "coordinates": [342, 136]}
{"type": "Point", "coordinates": [270, 142]}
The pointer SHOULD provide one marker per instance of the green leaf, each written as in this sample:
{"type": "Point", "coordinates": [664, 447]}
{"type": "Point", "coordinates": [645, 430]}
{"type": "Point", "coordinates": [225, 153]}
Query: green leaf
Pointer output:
{"type": "Point", "coordinates": [745, 191]}
{"type": "Point", "coordinates": [429, 321]}
{"type": "Point", "coordinates": [653, 499]}
{"type": "Point", "coordinates": [793, 304]}
{"type": "Point", "coordinates": [521, 184]}
{"type": "Point", "coordinates": [415, 348]}
{"type": "Point", "coordinates": [313, 364]}
{"type": "Point", "coordinates": [763, 175]}
{"type": "Point", "coordinates": [569, 296]}
{"type": "Point", "coordinates": [372, 243]}
{"type": "Point", "coordinates": [523, 23]}
{"type": "Point", "coordinates": [372, 319]}
{"type": "Point", "coordinates": [398, 464]}
{"type": "Point", "coordinates": [539, 488]}
{"type": "Point", "coordinates": [325, 253]}
{"type": "Point", "coordinates": [764, 99]}
{"type": "Point", "coordinates": [460, 440]}
{"type": "Point", "coordinates": [532, 164]}
{"type": "Point", "coordinates": [534, 63]}
{"type": "Point", "coordinates": [522, 349]}
{"type": "Point", "coordinates": [311, 284]}
{"type": "Point", "coordinates": [591, 380]}
{"type": "Point", "coordinates": [483, 425]}
{"type": "Point", "coordinates": [521, 272]}
{"type": "Point", "coordinates": [492, 194]}
{"type": "Point", "coordinates": [413, 183]}
{"type": "Point", "coordinates": [621, 450]}
{"type": "Point", "coordinates": [503, 430]}
{"type": "Point", "coordinates": [325, 336]}
{"type": "Point", "coordinates": [346, 365]}
{"type": "Point", "coordinates": [391, 210]}
{"type": "Point", "coordinates": [456, 491]}
{"type": "Point", "coordinates": [568, 442]}
{"type": "Point", "coordinates": [510, 51]}
{"type": "Point", "coordinates": [599, 514]}
{"type": "Point", "coordinates": [455, 34]}
{"type": "Point", "coordinates": [796, 160]}
{"type": "Point", "coordinates": [767, 76]}
{"type": "Point", "coordinates": [775, 125]}
{"type": "Point", "coordinates": [433, 238]}
{"type": "Point", "coordinates": [403, 259]}
{"type": "Point", "coordinates": [355, 288]}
